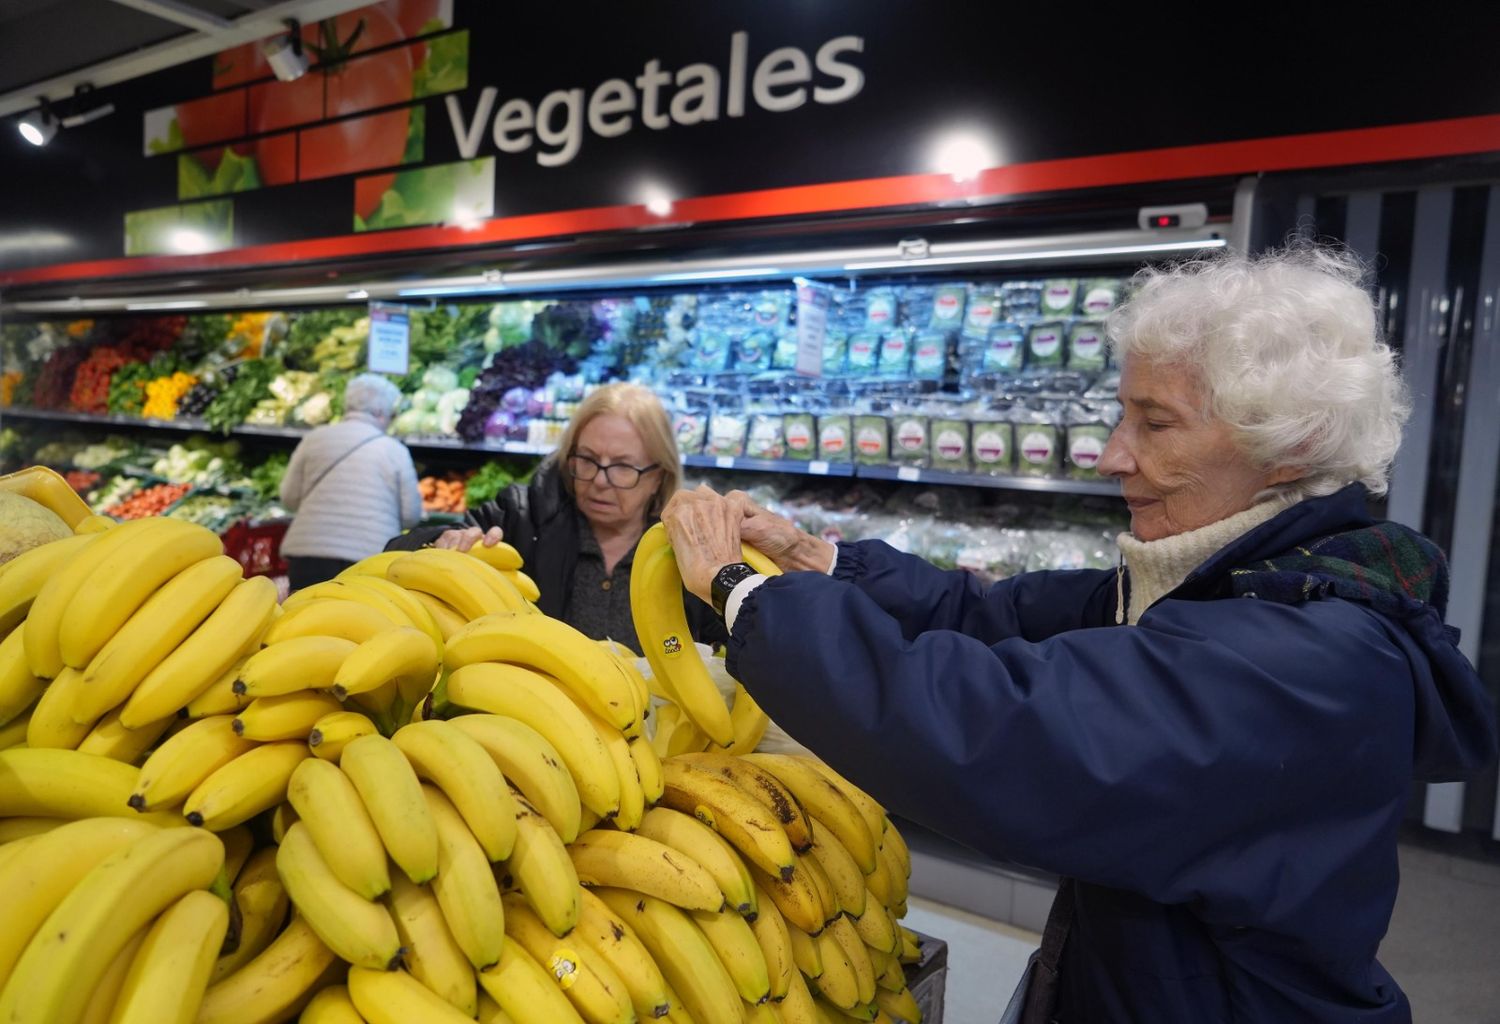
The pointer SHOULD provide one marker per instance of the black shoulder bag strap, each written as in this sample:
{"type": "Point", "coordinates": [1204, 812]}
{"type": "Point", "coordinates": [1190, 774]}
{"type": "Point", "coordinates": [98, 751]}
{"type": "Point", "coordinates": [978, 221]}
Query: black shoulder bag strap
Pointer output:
{"type": "Point", "coordinates": [1041, 995]}
{"type": "Point", "coordinates": [335, 463]}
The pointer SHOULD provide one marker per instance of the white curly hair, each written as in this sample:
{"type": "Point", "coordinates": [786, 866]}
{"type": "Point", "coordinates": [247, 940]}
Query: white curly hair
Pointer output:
{"type": "Point", "coordinates": [1287, 348]}
{"type": "Point", "coordinates": [372, 394]}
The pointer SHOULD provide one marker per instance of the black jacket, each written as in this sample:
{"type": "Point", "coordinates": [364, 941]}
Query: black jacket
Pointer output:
{"type": "Point", "coordinates": [541, 521]}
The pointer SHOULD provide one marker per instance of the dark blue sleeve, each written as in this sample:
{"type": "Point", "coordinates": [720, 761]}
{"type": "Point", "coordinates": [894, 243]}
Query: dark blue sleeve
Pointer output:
{"type": "Point", "coordinates": [1160, 758]}
{"type": "Point", "coordinates": [919, 596]}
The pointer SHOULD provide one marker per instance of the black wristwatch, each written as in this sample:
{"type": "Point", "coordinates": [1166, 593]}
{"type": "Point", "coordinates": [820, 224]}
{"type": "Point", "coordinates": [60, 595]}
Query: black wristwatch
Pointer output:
{"type": "Point", "coordinates": [725, 580]}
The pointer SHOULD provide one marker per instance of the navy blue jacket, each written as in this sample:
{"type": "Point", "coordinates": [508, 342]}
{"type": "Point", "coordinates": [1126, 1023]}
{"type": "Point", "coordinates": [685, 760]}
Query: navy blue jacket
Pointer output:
{"type": "Point", "coordinates": [1225, 779]}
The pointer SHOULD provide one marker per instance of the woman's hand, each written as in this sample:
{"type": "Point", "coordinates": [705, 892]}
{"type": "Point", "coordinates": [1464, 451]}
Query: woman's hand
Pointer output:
{"type": "Point", "coordinates": [792, 550]}
{"type": "Point", "coordinates": [466, 538]}
{"type": "Point", "coordinates": [704, 528]}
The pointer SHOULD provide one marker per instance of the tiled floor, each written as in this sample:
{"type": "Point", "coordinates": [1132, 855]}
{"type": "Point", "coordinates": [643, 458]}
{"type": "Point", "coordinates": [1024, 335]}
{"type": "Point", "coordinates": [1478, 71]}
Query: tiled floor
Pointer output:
{"type": "Point", "coordinates": [1443, 946]}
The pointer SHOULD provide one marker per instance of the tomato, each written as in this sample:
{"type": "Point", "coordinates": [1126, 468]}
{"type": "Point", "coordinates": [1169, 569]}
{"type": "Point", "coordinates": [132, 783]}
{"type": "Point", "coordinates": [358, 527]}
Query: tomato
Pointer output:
{"type": "Point", "coordinates": [358, 144]}
{"type": "Point", "coordinates": [376, 28]}
{"type": "Point", "coordinates": [211, 119]}
{"type": "Point", "coordinates": [415, 15]}
{"type": "Point", "coordinates": [368, 192]}
{"type": "Point", "coordinates": [239, 64]}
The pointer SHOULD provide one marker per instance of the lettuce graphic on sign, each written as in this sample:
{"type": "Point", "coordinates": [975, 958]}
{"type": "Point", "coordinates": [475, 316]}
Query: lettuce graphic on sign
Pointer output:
{"type": "Point", "coordinates": [459, 193]}
{"type": "Point", "coordinates": [189, 228]}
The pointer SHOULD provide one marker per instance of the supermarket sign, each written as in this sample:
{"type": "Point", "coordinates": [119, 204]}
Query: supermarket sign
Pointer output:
{"type": "Point", "coordinates": [429, 124]}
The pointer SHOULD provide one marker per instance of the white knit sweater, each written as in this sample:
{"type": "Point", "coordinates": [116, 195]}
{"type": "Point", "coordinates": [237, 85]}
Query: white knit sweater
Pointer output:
{"type": "Point", "coordinates": [363, 502]}
{"type": "Point", "coordinates": [1157, 567]}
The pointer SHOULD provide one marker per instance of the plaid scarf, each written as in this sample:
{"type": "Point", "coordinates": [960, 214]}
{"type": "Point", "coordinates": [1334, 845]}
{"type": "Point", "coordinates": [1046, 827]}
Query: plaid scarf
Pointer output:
{"type": "Point", "coordinates": [1389, 567]}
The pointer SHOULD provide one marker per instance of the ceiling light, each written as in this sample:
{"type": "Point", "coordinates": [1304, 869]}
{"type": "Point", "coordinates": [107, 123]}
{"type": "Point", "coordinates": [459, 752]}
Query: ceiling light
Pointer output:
{"type": "Point", "coordinates": [962, 155]}
{"type": "Point", "coordinates": [39, 126]}
{"type": "Point", "coordinates": [189, 240]}
{"type": "Point", "coordinates": [284, 53]}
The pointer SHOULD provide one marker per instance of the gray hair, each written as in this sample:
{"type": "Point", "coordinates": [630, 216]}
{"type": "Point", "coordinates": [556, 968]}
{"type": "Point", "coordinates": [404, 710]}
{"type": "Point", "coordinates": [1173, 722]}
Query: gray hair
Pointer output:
{"type": "Point", "coordinates": [1287, 348]}
{"type": "Point", "coordinates": [372, 394]}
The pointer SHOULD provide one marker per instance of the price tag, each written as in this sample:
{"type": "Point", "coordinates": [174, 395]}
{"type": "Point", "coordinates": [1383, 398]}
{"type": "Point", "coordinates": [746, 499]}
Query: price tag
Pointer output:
{"type": "Point", "coordinates": [911, 474]}
{"type": "Point", "coordinates": [817, 468]}
{"type": "Point", "coordinates": [724, 461]}
{"type": "Point", "coordinates": [389, 346]}
{"type": "Point", "coordinates": [813, 301]}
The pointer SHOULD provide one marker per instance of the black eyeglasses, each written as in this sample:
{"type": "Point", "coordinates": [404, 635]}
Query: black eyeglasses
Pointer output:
{"type": "Point", "coordinates": [621, 475]}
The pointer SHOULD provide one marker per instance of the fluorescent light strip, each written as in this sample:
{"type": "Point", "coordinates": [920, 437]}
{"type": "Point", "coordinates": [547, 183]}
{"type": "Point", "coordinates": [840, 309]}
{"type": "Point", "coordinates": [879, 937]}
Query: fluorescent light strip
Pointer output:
{"type": "Point", "coordinates": [452, 289]}
{"type": "Point", "coordinates": [718, 275]}
{"type": "Point", "coordinates": [176, 304]}
{"type": "Point", "coordinates": [1045, 254]}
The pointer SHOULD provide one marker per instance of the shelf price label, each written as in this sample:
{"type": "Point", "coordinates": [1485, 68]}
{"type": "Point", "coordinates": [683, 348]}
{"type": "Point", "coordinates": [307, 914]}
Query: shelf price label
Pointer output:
{"type": "Point", "coordinates": [813, 301]}
{"type": "Point", "coordinates": [817, 468]}
{"type": "Point", "coordinates": [911, 474]}
{"type": "Point", "coordinates": [390, 339]}
{"type": "Point", "coordinates": [724, 461]}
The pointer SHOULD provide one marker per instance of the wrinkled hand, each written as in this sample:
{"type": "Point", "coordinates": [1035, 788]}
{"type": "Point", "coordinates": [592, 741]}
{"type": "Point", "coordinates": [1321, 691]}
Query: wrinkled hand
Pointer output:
{"type": "Point", "coordinates": [704, 528]}
{"type": "Point", "coordinates": [792, 550]}
{"type": "Point", "coordinates": [466, 538]}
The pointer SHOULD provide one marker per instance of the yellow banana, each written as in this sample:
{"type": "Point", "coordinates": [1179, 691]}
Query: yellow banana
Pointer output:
{"type": "Point", "coordinates": [106, 994]}
{"type": "Point", "coordinates": [524, 989]}
{"type": "Point", "coordinates": [539, 865]}
{"type": "Point", "coordinates": [23, 577]}
{"type": "Point", "coordinates": [675, 734]}
{"type": "Point", "coordinates": [900, 854]}
{"type": "Point", "coordinates": [797, 1006]}
{"type": "Point", "coordinates": [632, 794]}
{"type": "Point", "coordinates": [471, 595]}
{"type": "Point", "coordinates": [775, 941]}
{"type": "Point", "coordinates": [490, 1012]}
{"type": "Point", "coordinates": [405, 601]}
{"type": "Point", "coordinates": [625, 860]}
{"type": "Point", "coordinates": [465, 885]}
{"type": "Point", "coordinates": [839, 982]}
{"type": "Point", "coordinates": [500, 556]}
{"type": "Point", "coordinates": [94, 524]}
{"type": "Point", "coordinates": [180, 764]}
{"type": "Point", "coordinates": [825, 802]}
{"type": "Point", "coordinates": [340, 590]}
{"type": "Point", "coordinates": [335, 617]}
{"type": "Point", "coordinates": [432, 954]}
{"type": "Point", "coordinates": [19, 689]}
{"type": "Point", "coordinates": [764, 787]}
{"type": "Point", "coordinates": [695, 840]}
{"type": "Point", "coordinates": [12, 829]}
{"type": "Point", "coordinates": [290, 716]}
{"type": "Point", "coordinates": [843, 932]}
{"type": "Point", "coordinates": [108, 738]}
{"type": "Point", "coordinates": [121, 583]}
{"type": "Point", "coordinates": [796, 896]}
{"type": "Point", "coordinates": [524, 584]}
{"type": "Point", "coordinates": [404, 654]}
{"type": "Point", "coordinates": [44, 617]}
{"type": "Point", "coordinates": [13, 733]}
{"type": "Point", "coordinates": [748, 721]}
{"type": "Point", "coordinates": [731, 812]}
{"type": "Point", "coordinates": [273, 983]}
{"type": "Point", "coordinates": [219, 698]}
{"type": "Point", "coordinates": [805, 952]}
{"type": "Point", "coordinates": [611, 940]}
{"type": "Point", "coordinates": [240, 619]}
{"type": "Point", "coordinates": [374, 565]}
{"type": "Point", "coordinates": [593, 987]}
{"type": "Point", "coordinates": [261, 904]}
{"type": "Point", "coordinates": [331, 733]}
{"type": "Point", "coordinates": [299, 663]}
{"type": "Point", "coordinates": [170, 972]}
{"type": "Point", "coordinates": [911, 946]}
{"type": "Point", "coordinates": [445, 617]}
{"type": "Point", "coordinates": [331, 1005]}
{"type": "Point", "coordinates": [737, 949]}
{"type": "Point", "coordinates": [52, 723]}
{"type": "Point", "coordinates": [41, 874]}
{"type": "Point", "coordinates": [554, 648]}
{"type": "Point", "coordinates": [356, 929]}
{"type": "Point", "coordinates": [898, 877]}
{"type": "Point", "coordinates": [899, 1005]}
{"type": "Point", "coordinates": [827, 895]}
{"type": "Point", "coordinates": [682, 952]}
{"type": "Point", "coordinates": [529, 763]}
{"type": "Point", "coordinates": [166, 619]}
{"type": "Point", "coordinates": [76, 944]}
{"type": "Point", "coordinates": [395, 997]}
{"type": "Point", "coordinates": [877, 929]}
{"type": "Point", "coordinates": [647, 769]}
{"type": "Point", "coordinates": [63, 784]}
{"type": "Point", "coordinates": [880, 883]}
{"type": "Point", "coordinates": [392, 793]}
{"type": "Point", "coordinates": [762, 1013]}
{"type": "Point", "coordinates": [523, 694]}
{"type": "Point", "coordinates": [253, 782]}
{"type": "Point", "coordinates": [283, 817]}
{"type": "Point", "coordinates": [661, 625]}
{"type": "Point", "coordinates": [239, 843]}
{"type": "Point", "coordinates": [459, 766]}
{"type": "Point", "coordinates": [340, 827]}
{"type": "Point", "coordinates": [873, 814]}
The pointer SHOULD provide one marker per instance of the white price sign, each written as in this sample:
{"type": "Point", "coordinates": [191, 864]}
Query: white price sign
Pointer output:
{"type": "Point", "coordinates": [390, 339]}
{"type": "Point", "coordinates": [813, 301]}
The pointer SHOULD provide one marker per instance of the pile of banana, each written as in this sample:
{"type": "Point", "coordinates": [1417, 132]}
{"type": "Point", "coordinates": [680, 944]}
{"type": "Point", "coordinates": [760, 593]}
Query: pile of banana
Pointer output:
{"type": "Point", "coordinates": [405, 795]}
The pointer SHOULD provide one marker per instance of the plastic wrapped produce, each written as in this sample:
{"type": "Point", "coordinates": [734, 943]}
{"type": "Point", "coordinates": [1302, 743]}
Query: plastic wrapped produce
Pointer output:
{"type": "Point", "coordinates": [1086, 348]}
{"type": "Point", "coordinates": [1044, 345]}
{"type": "Point", "coordinates": [835, 437]}
{"type": "Point", "coordinates": [872, 439]}
{"type": "Point", "coordinates": [880, 309]}
{"type": "Point", "coordinates": [1059, 297]}
{"type": "Point", "coordinates": [947, 307]}
{"type": "Point", "coordinates": [1089, 427]}
{"type": "Point", "coordinates": [895, 353]}
{"type": "Point", "coordinates": [835, 351]}
{"type": "Point", "coordinates": [950, 444]}
{"type": "Point", "coordinates": [929, 358]}
{"type": "Point", "coordinates": [1021, 300]}
{"type": "Point", "coordinates": [864, 353]}
{"type": "Point", "coordinates": [910, 439]}
{"type": "Point", "coordinates": [752, 351]}
{"type": "Point", "coordinates": [1004, 349]}
{"type": "Point", "coordinates": [726, 433]}
{"type": "Point", "coordinates": [1098, 296]}
{"type": "Point", "coordinates": [766, 439]}
{"type": "Point", "coordinates": [992, 447]}
{"type": "Point", "coordinates": [1038, 443]}
{"type": "Point", "coordinates": [711, 350]}
{"type": "Point", "coordinates": [983, 309]}
{"type": "Point", "coordinates": [800, 431]}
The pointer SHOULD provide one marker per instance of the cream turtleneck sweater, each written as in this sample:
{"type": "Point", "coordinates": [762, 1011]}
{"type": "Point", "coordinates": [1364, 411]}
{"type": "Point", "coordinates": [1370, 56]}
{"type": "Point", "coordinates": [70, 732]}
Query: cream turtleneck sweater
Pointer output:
{"type": "Point", "coordinates": [1158, 567]}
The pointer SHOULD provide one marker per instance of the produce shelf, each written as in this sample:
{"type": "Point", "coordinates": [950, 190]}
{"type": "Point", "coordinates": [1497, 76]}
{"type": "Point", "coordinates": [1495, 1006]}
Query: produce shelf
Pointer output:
{"type": "Point", "coordinates": [904, 474]}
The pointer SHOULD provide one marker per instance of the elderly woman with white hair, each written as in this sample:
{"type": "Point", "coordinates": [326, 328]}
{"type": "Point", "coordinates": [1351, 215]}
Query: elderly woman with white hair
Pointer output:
{"type": "Point", "coordinates": [351, 485]}
{"type": "Point", "coordinates": [1213, 745]}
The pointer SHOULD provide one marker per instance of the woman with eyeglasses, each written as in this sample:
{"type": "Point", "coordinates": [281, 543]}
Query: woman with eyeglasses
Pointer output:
{"type": "Point", "coordinates": [578, 522]}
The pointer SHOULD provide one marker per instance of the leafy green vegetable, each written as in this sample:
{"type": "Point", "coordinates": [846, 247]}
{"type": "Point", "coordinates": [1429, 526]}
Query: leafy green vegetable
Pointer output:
{"type": "Point", "coordinates": [235, 173]}
{"type": "Point", "coordinates": [251, 383]}
{"type": "Point", "coordinates": [158, 230]}
{"type": "Point", "coordinates": [310, 327]}
{"type": "Point", "coordinates": [266, 478]}
{"type": "Point", "coordinates": [487, 482]}
{"type": "Point", "coordinates": [127, 389]}
{"type": "Point", "coordinates": [446, 68]}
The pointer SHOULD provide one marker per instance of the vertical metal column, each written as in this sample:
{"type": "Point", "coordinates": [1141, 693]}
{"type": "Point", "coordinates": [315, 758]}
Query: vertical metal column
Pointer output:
{"type": "Point", "coordinates": [1479, 462]}
{"type": "Point", "coordinates": [1362, 225]}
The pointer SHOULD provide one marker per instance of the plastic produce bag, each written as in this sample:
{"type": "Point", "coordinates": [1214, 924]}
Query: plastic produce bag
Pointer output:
{"type": "Point", "coordinates": [1086, 348]}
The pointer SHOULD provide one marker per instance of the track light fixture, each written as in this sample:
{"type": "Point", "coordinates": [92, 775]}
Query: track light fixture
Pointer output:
{"type": "Point", "coordinates": [284, 53]}
{"type": "Point", "coordinates": [39, 126]}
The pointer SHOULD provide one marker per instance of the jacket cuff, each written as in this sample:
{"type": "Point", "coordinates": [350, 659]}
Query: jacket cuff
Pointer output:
{"type": "Point", "coordinates": [850, 562]}
{"type": "Point", "coordinates": [744, 624]}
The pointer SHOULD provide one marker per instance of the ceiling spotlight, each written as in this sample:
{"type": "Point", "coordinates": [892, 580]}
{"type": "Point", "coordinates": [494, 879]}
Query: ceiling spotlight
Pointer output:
{"type": "Point", "coordinates": [39, 126]}
{"type": "Point", "coordinates": [284, 53]}
{"type": "Point", "coordinates": [79, 116]}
